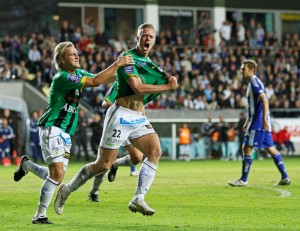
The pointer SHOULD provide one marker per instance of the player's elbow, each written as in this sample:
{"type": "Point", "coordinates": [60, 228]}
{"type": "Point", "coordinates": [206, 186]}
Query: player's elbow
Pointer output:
{"type": "Point", "coordinates": [92, 82]}
{"type": "Point", "coordinates": [138, 90]}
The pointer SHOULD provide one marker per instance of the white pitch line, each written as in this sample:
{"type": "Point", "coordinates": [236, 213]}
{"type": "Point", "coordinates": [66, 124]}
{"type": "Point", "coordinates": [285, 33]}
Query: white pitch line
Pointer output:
{"type": "Point", "coordinates": [284, 193]}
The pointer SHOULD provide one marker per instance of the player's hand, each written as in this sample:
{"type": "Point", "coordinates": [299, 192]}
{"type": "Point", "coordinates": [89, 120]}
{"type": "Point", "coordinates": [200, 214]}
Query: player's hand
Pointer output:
{"type": "Point", "coordinates": [173, 83]}
{"type": "Point", "coordinates": [167, 75]}
{"type": "Point", "coordinates": [266, 125]}
{"type": "Point", "coordinates": [124, 60]}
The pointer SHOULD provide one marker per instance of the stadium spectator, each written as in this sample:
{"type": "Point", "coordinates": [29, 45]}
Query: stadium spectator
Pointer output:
{"type": "Point", "coordinates": [34, 138]}
{"type": "Point", "coordinates": [13, 122]}
{"type": "Point", "coordinates": [225, 32]}
{"type": "Point", "coordinates": [130, 104]}
{"type": "Point", "coordinates": [232, 148]}
{"type": "Point", "coordinates": [207, 131]}
{"type": "Point", "coordinates": [184, 142]}
{"type": "Point", "coordinates": [251, 33]}
{"type": "Point", "coordinates": [222, 128]}
{"type": "Point", "coordinates": [241, 33]}
{"type": "Point", "coordinates": [258, 125]}
{"type": "Point", "coordinates": [81, 136]}
{"type": "Point", "coordinates": [6, 135]}
{"type": "Point", "coordinates": [285, 139]}
{"type": "Point", "coordinates": [35, 59]}
{"type": "Point", "coordinates": [276, 139]}
{"type": "Point", "coordinates": [59, 122]}
{"type": "Point", "coordinates": [260, 35]}
{"type": "Point", "coordinates": [66, 32]}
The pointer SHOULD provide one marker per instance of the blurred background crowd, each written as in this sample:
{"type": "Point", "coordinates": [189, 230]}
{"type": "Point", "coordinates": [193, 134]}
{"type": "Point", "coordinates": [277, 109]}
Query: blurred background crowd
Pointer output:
{"type": "Point", "coordinates": [208, 73]}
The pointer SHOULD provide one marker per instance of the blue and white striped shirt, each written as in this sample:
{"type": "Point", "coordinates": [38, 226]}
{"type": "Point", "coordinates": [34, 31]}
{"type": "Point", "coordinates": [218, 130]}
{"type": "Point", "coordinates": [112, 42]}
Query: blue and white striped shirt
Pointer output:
{"type": "Point", "coordinates": [255, 106]}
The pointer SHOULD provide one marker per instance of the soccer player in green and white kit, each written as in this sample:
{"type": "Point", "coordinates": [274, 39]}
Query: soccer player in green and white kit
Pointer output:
{"type": "Point", "coordinates": [124, 120]}
{"type": "Point", "coordinates": [60, 120]}
{"type": "Point", "coordinates": [133, 157]}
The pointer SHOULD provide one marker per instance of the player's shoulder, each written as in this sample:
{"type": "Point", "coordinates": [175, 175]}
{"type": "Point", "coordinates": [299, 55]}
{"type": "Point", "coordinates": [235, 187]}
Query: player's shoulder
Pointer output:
{"type": "Point", "coordinates": [66, 76]}
{"type": "Point", "coordinates": [256, 81]}
{"type": "Point", "coordinates": [129, 52]}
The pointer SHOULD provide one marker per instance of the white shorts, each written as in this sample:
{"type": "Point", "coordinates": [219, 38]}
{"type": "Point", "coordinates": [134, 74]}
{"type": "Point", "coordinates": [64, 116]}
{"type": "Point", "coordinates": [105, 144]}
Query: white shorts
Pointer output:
{"type": "Point", "coordinates": [126, 143]}
{"type": "Point", "coordinates": [121, 124]}
{"type": "Point", "coordinates": [54, 143]}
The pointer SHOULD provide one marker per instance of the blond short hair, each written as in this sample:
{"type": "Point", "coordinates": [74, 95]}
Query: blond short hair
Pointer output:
{"type": "Point", "coordinates": [59, 52]}
{"type": "Point", "coordinates": [144, 25]}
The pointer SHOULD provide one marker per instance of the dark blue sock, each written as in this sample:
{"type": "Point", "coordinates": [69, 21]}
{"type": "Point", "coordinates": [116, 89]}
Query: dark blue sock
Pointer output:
{"type": "Point", "coordinates": [247, 162]}
{"type": "Point", "coordinates": [280, 165]}
{"type": "Point", "coordinates": [132, 167]}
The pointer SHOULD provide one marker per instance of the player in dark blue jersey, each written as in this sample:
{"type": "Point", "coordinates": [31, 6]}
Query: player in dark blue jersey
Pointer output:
{"type": "Point", "coordinates": [257, 126]}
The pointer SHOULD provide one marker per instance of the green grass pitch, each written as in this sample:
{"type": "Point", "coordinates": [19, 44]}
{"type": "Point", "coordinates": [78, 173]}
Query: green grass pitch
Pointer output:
{"type": "Point", "coordinates": [186, 196]}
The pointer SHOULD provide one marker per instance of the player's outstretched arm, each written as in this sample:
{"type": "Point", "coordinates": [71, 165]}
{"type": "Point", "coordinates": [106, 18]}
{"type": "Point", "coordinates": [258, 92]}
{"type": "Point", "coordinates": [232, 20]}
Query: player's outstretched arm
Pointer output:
{"type": "Point", "coordinates": [109, 74]}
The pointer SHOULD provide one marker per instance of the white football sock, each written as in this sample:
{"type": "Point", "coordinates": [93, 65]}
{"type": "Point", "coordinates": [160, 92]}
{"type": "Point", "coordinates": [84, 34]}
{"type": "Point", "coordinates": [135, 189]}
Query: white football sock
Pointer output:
{"type": "Point", "coordinates": [77, 181]}
{"type": "Point", "coordinates": [46, 195]}
{"type": "Point", "coordinates": [97, 183]}
{"type": "Point", "coordinates": [123, 161]}
{"type": "Point", "coordinates": [146, 177]}
{"type": "Point", "coordinates": [40, 171]}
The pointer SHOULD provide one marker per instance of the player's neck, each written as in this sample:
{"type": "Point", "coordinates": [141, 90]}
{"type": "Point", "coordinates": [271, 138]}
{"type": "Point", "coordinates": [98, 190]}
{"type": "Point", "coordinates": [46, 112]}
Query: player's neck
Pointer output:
{"type": "Point", "coordinates": [140, 53]}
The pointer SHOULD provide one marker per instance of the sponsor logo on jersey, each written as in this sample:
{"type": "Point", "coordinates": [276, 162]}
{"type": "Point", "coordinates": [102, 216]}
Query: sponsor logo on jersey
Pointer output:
{"type": "Point", "coordinates": [141, 63]}
{"type": "Point", "coordinates": [128, 69]}
{"type": "Point", "coordinates": [77, 92]}
{"type": "Point", "coordinates": [135, 121]}
{"type": "Point", "coordinates": [114, 143]}
{"type": "Point", "coordinates": [73, 78]}
{"type": "Point", "coordinates": [69, 108]}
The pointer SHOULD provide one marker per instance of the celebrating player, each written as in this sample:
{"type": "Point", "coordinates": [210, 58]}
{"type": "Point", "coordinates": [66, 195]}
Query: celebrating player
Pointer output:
{"type": "Point", "coordinates": [60, 120]}
{"type": "Point", "coordinates": [125, 119]}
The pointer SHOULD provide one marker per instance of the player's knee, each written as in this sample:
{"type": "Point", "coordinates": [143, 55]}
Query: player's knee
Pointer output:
{"type": "Point", "coordinates": [57, 175]}
{"type": "Point", "coordinates": [100, 166]}
{"type": "Point", "coordinates": [136, 159]}
{"type": "Point", "coordinates": [155, 153]}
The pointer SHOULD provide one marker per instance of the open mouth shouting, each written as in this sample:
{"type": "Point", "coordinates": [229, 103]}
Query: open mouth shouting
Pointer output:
{"type": "Point", "coordinates": [146, 46]}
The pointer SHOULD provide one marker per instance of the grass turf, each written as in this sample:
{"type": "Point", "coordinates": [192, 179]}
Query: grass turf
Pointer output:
{"type": "Point", "coordinates": [186, 196]}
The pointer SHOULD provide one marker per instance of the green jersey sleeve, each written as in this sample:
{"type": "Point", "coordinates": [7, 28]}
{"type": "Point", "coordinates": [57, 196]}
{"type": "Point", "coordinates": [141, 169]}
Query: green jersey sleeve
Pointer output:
{"type": "Point", "coordinates": [111, 93]}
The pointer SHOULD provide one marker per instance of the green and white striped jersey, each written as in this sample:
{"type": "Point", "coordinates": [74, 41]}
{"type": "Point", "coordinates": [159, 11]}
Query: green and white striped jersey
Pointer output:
{"type": "Point", "coordinates": [63, 100]}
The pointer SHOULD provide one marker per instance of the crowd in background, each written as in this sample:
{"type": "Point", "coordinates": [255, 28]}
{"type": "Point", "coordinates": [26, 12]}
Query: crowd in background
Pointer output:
{"type": "Point", "coordinates": [208, 73]}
